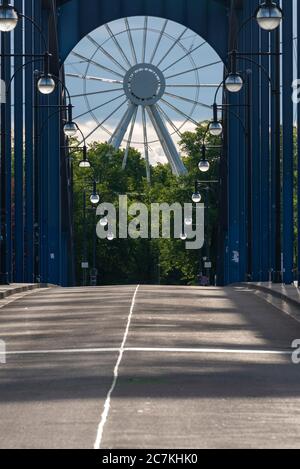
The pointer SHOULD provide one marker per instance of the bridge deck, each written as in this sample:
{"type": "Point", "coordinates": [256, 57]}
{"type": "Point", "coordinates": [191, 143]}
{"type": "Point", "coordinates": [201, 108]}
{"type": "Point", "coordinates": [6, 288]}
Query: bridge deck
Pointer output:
{"type": "Point", "coordinates": [175, 366]}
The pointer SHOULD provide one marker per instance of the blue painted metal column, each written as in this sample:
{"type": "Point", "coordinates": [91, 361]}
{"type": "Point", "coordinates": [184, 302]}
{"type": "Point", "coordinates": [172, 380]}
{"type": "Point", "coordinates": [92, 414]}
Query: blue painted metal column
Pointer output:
{"type": "Point", "coordinates": [18, 153]}
{"type": "Point", "coordinates": [40, 159]}
{"type": "Point", "coordinates": [256, 155]}
{"type": "Point", "coordinates": [276, 183]}
{"type": "Point", "coordinates": [265, 160]}
{"type": "Point", "coordinates": [242, 113]}
{"type": "Point", "coordinates": [6, 167]}
{"type": "Point", "coordinates": [298, 140]}
{"type": "Point", "coordinates": [29, 159]}
{"type": "Point", "coordinates": [287, 141]}
{"type": "Point", "coordinates": [232, 253]}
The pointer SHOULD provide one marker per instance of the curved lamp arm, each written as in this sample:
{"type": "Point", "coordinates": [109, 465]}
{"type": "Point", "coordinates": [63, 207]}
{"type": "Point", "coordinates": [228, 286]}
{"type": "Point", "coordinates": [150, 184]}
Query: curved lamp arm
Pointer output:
{"type": "Point", "coordinates": [38, 28]}
{"type": "Point", "coordinates": [18, 70]}
{"type": "Point", "coordinates": [261, 67]}
{"type": "Point", "coordinates": [235, 115]}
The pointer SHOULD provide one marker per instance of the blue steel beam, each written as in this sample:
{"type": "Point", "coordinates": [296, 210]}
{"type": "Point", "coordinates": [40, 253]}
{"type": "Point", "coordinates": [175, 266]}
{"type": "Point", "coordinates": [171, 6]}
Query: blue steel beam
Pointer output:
{"type": "Point", "coordinates": [276, 183]}
{"type": "Point", "coordinates": [77, 18]}
{"type": "Point", "coordinates": [244, 149]}
{"type": "Point", "coordinates": [256, 154]}
{"type": "Point", "coordinates": [298, 142]}
{"type": "Point", "coordinates": [6, 136]}
{"type": "Point", "coordinates": [287, 141]}
{"type": "Point", "coordinates": [265, 161]}
{"type": "Point", "coordinates": [29, 161]}
{"type": "Point", "coordinates": [18, 153]}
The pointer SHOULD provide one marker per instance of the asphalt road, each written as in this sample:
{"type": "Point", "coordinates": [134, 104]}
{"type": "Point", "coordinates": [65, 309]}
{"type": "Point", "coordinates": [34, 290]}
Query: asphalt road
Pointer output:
{"type": "Point", "coordinates": [153, 367]}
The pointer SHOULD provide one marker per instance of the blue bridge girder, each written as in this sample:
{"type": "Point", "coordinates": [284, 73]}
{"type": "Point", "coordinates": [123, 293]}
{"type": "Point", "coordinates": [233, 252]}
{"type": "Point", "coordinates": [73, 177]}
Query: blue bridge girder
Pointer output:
{"type": "Point", "coordinates": [256, 229]}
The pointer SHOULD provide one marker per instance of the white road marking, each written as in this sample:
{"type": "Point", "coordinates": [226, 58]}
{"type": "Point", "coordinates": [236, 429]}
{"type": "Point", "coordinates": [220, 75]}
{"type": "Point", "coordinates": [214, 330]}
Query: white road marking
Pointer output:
{"type": "Point", "coordinates": [106, 409]}
{"type": "Point", "coordinates": [63, 351]}
{"type": "Point", "coordinates": [207, 350]}
{"type": "Point", "coordinates": [151, 349]}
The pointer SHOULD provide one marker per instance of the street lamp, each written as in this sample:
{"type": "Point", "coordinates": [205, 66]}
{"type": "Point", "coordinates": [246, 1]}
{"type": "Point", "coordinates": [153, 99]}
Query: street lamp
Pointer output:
{"type": "Point", "coordinates": [188, 221]}
{"type": "Point", "coordinates": [204, 163]}
{"type": "Point", "coordinates": [46, 84]}
{"type": "Point", "coordinates": [269, 16]}
{"type": "Point", "coordinates": [215, 127]}
{"type": "Point", "coordinates": [183, 236]}
{"type": "Point", "coordinates": [196, 197]}
{"type": "Point", "coordinates": [84, 163]}
{"type": "Point", "coordinates": [70, 127]}
{"type": "Point", "coordinates": [234, 81]}
{"type": "Point", "coordinates": [95, 198]}
{"type": "Point", "coordinates": [110, 236]}
{"type": "Point", "coordinates": [8, 17]}
{"type": "Point", "coordinates": [104, 221]}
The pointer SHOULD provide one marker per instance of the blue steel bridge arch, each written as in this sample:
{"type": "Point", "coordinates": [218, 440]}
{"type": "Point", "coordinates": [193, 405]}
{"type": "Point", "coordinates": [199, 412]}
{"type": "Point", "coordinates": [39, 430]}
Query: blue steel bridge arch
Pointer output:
{"type": "Point", "coordinates": [204, 17]}
{"type": "Point", "coordinates": [256, 174]}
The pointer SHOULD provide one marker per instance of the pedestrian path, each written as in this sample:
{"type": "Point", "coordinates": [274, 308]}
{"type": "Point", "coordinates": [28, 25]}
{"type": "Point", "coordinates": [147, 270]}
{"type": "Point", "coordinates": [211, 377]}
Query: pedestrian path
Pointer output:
{"type": "Point", "coordinates": [14, 288]}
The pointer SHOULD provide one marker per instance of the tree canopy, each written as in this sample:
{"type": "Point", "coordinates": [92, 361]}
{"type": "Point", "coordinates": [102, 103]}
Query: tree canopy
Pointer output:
{"type": "Point", "coordinates": [143, 260]}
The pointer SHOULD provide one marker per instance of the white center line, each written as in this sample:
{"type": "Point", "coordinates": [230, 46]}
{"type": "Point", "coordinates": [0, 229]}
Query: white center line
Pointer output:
{"type": "Point", "coordinates": [106, 408]}
{"type": "Point", "coordinates": [204, 350]}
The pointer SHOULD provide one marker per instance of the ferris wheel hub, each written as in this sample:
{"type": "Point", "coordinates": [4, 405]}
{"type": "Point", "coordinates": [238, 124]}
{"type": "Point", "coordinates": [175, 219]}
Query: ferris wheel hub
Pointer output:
{"type": "Point", "coordinates": [144, 84]}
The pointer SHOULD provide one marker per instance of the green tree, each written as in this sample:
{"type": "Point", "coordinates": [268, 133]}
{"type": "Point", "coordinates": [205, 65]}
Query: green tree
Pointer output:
{"type": "Point", "coordinates": [142, 260]}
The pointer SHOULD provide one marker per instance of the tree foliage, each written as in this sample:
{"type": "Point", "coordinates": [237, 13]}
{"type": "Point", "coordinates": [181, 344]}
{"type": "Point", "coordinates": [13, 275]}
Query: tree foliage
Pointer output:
{"type": "Point", "coordinates": [143, 260]}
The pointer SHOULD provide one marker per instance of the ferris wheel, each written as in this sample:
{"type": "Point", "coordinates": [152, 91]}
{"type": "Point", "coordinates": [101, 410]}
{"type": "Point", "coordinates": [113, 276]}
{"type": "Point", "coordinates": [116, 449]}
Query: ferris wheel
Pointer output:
{"type": "Point", "coordinates": [140, 82]}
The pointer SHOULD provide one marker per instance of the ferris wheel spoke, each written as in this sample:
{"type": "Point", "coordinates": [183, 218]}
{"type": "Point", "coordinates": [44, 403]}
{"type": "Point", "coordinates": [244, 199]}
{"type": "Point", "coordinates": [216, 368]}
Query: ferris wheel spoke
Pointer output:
{"type": "Point", "coordinates": [129, 139]}
{"type": "Point", "coordinates": [172, 47]}
{"type": "Point", "coordinates": [88, 77]}
{"type": "Point", "coordinates": [115, 40]}
{"type": "Point", "coordinates": [98, 107]}
{"type": "Point", "coordinates": [159, 41]}
{"type": "Point", "coordinates": [168, 119]}
{"type": "Point", "coordinates": [133, 51]}
{"type": "Point", "coordinates": [184, 56]}
{"type": "Point", "coordinates": [145, 39]}
{"type": "Point", "coordinates": [92, 93]}
{"type": "Point", "coordinates": [166, 141]}
{"type": "Point", "coordinates": [121, 129]}
{"type": "Point", "coordinates": [188, 100]}
{"type": "Point", "coordinates": [183, 114]}
{"type": "Point", "coordinates": [104, 120]}
{"type": "Point", "coordinates": [201, 85]}
{"type": "Point", "coordinates": [194, 69]}
{"type": "Point", "coordinates": [107, 54]}
{"type": "Point", "coordinates": [146, 145]}
{"type": "Point", "coordinates": [96, 64]}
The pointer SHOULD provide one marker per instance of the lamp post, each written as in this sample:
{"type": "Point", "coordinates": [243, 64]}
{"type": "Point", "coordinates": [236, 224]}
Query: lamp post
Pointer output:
{"type": "Point", "coordinates": [205, 186]}
{"type": "Point", "coordinates": [84, 264]}
{"type": "Point", "coordinates": [203, 164]}
{"type": "Point", "coordinates": [94, 198]}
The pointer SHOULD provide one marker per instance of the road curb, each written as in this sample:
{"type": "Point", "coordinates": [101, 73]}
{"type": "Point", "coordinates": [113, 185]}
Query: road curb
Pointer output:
{"type": "Point", "coordinates": [270, 291]}
{"type": "Point", "coordinates": [22, 288]}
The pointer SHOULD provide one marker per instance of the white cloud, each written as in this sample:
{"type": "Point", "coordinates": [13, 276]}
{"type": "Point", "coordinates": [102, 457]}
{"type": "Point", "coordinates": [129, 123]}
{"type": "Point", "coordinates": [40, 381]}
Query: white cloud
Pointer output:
{"type": "Point", "coordinates": [156, 152]}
